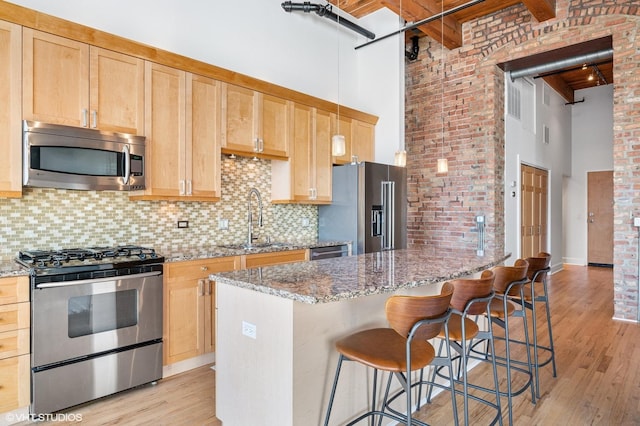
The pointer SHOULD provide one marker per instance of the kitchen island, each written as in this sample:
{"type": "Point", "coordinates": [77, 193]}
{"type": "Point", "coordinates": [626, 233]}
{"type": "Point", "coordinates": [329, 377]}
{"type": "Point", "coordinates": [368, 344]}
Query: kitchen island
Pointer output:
{"type": "Point", "coordinates": [276, 328]}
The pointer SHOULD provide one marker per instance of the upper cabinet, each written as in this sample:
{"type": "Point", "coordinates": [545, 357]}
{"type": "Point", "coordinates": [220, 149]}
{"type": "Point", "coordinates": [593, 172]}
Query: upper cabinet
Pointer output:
{"type": "Point", "coordinates": [359, 139]}
{"type": "Point", "coordinates": [10, 93]}
{"type": "Point", "coordinates": [254, 123]}
{"type": "Point", "coordinates": [306, 176]}
{"type": "Point", "coordinates": [182, 122]}
{"type": "Point", "coordinates": [72, 83]}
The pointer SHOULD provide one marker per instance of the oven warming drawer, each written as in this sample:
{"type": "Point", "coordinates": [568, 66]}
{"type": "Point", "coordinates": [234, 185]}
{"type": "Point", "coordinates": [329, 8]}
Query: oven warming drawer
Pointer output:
{"type": "Point", "coordinates": [64, 386]}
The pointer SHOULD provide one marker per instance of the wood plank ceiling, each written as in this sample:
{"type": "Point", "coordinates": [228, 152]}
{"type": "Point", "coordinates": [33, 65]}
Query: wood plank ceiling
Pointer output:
{"type": "Point", "coordinates": [565, 81]}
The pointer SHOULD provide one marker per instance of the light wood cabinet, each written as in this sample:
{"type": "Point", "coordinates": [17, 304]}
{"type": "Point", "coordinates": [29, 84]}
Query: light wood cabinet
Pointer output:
{"type": "Point", "coordinates": [189, 307]}
{"type": "Point", "coordinates": [72, 83]}
{"type": "Point", "coordinates": [306, 176]}
{"type": "Point", "coordinates": [189, 300]}
{"type": "Point", "coordinates": [182, 124]}
{"type": "Point", "coordinates": [277, 258]}
{"type": "Point", "coordinates": [254, 123]}
{"type": "Point", "coordinates": [14, 343]}
{"type": "Point", "coordinates": [10, 113]}
{"type": "Point", "coordinates": [359, 139]}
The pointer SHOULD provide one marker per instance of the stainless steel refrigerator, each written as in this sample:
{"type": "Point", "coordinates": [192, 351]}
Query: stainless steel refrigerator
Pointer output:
{"type": "Point", "coordinates": [368, 208]}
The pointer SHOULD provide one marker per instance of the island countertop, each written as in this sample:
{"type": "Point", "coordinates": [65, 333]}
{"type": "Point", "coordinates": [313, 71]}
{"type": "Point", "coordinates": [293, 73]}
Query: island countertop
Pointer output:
{"type": "Point", "coordinates": [336, 279]}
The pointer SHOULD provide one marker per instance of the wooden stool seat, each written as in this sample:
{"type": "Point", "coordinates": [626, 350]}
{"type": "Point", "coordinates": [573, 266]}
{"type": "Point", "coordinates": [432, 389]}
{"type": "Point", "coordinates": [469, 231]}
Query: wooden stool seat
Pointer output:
{"type": "Point", "coordinates": [509, 281]}
{"type": "Point", "coordinates": [455, 328]}
{"type": "Point", "coordinates": [384, 349]}
{"type": "Point", "coordinates": [497, 308]}
{"type": "Point", "coordinates": [400, 349]}
{"type": "Point", "coordinates": [471, 297]}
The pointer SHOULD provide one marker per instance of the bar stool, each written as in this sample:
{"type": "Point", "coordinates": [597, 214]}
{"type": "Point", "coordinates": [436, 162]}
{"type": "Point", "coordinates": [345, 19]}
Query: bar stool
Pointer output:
{"type": "Point", "coordinates": [535, 292]}
{"type": "Point", "coordinates": [510, 280]}
{"type": "Point", "coordinates": [471, 297]}
{"type": "Point", "coordinates": [399, 350]}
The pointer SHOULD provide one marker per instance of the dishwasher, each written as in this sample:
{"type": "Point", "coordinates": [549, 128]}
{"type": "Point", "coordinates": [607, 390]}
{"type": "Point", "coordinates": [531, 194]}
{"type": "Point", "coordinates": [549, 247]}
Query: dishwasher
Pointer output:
{"type": "Point", "coordinates": [317, 253]}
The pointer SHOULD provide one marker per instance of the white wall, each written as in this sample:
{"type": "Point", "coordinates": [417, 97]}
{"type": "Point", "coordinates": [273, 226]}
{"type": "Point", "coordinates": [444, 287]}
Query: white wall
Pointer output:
{"type": "Point", "coordinates": [258, 38]}
{"type": "Point", "coordinates": [540, 106]}
{"type": "Point", "coordinates": [592, 147]}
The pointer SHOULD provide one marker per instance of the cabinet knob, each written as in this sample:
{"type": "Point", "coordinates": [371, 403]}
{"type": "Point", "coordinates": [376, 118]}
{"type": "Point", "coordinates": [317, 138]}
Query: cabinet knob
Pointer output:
{"type": "Point", "coordinates": [204, 268]}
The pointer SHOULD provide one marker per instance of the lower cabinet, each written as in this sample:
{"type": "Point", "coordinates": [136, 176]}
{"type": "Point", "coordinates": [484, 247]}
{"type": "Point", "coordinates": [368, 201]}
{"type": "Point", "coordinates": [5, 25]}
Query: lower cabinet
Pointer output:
{"type": "Point", "coordinates": [189, 300]}
{"type": "Point", "coordinates": [14, 343]}
{"type": "Point", "coordinates": [189, 306]}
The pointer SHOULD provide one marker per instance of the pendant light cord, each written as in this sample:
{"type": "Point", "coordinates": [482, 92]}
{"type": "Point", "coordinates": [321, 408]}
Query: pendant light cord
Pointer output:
{"type": "Point", "coordinates": [443, 72]}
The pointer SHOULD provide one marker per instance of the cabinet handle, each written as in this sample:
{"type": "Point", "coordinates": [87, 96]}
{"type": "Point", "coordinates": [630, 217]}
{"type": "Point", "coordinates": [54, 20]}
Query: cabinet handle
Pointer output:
{"type": "Point", "coordinates": [204, 268]}
{"type": "Point", "coordinates": [181, 187]}
{"type": "Point", "coordinates": [200, 288]}
{"type": "Point", "coordinates": [84, 117]}
{"type": "Point", "coordinates": [256, 145]}
{"type": "Point", "coordinates": [261, 146]}
{"type": "Point", "coordinates": [94, 119]}
{"type": "Point", "coordinates": [210, 287]}
{"type": "Point", "coordinates": [189, 187]}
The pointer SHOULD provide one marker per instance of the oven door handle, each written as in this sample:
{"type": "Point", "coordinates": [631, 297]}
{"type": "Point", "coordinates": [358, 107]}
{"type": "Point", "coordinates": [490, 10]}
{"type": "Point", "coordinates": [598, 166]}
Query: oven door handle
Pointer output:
{"type": "Point", "coordinates": [97, 280]}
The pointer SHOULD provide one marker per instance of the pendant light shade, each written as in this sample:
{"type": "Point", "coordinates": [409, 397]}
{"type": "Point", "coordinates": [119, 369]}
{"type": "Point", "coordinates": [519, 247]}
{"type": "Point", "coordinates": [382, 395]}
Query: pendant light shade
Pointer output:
{"type": "Point", "coordinates": [443, 165]}
{"type": "Point", "coordinates": [338, 146]}
{"type": "Point", "coordinates": [400, 158]}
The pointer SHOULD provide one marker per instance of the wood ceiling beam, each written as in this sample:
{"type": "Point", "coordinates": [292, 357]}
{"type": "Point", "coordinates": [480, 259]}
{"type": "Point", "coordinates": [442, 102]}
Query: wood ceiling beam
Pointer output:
{"type": "Point", "coordinates": [542, 10]}
{"type": "Point", "coordinates": [560, 86]}
{"type": "Point", "coordinates": [417, 10]}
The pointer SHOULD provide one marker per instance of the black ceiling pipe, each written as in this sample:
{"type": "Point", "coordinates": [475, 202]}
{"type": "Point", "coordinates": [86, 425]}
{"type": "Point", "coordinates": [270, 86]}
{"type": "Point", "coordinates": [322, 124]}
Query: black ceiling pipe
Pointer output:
{"type": "Point", "coordinates": [327, 12]}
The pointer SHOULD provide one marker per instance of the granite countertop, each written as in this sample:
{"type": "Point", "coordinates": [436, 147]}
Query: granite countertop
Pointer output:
{"type": "Point", "coordinates": [335, 279]}
{"type": "Point", "coordinates": [177, 254]}
{"type": "Point", "coordinates": [10, 268]}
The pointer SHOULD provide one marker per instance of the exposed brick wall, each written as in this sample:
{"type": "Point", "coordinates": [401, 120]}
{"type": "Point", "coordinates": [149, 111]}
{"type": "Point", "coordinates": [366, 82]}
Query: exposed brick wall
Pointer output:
{"type": "Point", "coordinates": [442, 208]}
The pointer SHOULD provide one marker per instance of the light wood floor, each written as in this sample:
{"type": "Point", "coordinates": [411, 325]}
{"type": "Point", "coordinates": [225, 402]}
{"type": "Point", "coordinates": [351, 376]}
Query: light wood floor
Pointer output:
{"type": "Point", "coordinates": [598, 362]}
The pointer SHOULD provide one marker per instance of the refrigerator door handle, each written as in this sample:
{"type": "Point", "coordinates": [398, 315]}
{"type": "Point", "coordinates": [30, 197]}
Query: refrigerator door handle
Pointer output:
{"type": "Point", "coordinates": [388, 209]}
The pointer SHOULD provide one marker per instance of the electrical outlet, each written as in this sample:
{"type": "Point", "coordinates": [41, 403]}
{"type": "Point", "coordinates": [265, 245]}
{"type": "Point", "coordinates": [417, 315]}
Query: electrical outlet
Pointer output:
{"type": "Point", "coordinates": [305, 221]}
{"type": "Point", "coordinates": [636, 221]}
{"type": "Point", "coordinates": [183, 224]}
{"type": "Point", "coordinates": [223, 224]}
{"type": "Point", "coordinates": [249, 329]}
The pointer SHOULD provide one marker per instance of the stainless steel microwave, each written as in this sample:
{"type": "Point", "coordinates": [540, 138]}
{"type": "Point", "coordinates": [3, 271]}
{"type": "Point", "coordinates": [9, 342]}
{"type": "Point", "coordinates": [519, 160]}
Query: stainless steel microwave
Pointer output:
{"type": "Point", "coordinates": [56, 156]}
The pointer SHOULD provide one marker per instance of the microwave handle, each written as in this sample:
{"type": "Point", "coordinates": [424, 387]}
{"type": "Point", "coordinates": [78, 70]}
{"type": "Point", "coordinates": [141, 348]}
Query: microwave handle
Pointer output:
{"type": "Point", "coordinates": [127, 164]}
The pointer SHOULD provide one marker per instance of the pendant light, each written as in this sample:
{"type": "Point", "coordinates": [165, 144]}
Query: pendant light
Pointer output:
{"type": "Point", "coordinates": [338, 143]}
{"type": "Point", "coordinates": [400, 158]}
{"type": "Point", "coordinates": [443, 164]}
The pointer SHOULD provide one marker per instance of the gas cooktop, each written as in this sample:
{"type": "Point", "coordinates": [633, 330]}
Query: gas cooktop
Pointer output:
{"type": "Point", "coordinates": [74, 260]}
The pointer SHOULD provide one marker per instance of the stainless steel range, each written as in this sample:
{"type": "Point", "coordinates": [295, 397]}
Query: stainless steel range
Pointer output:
{"type": "Point", "coordinates": [96, 323]}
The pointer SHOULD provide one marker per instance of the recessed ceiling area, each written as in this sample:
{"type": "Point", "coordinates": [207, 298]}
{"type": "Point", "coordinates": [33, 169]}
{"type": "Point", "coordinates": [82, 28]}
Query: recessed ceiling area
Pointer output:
{"type": "Point", "coordinates": [569, 68]}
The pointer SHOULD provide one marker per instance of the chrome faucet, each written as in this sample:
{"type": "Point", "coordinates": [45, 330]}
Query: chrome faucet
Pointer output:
{"type": "Point", "coordinates": [250, 236]}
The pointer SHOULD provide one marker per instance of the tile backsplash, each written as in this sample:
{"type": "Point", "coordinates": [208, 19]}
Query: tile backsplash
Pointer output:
{"type": "Point", "coordinates": [56, 218]}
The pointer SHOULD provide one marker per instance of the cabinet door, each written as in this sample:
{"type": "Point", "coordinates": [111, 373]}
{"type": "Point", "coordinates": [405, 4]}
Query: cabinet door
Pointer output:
{"type": "Point", "coordinates": [10, 113]}
{"type": "Point", "coordinates": [303, 179]}
{"type": "Point", "coordinates": [165, 130]}
{"type": "Point", "coordinates": [322, 156]}
{"type": "Point", "coordinates": [342, 125]}
{"type": "Point", "coordinates": [362, 140]}
{"type": "Point", "coordinates": [272, 134]}
{"type": "Point", "coordinates": [55, 79]}
{"type": "Point", "coordinates": [184, 315]}
{"type": "Point", "coordinates": [189, 306]}
{"type": "Point", "coordinates": [210, 316]}
{"type": "Point", "coordinates": [116, 92]}
{"type": "Point", "coordinates": [14, 383]}
{"type": "Point", "coordinates": [238, 119]}
{"type": "Point", "coordinates": [203, 150]}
